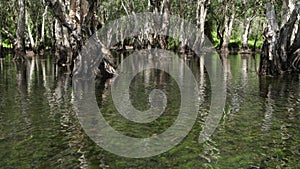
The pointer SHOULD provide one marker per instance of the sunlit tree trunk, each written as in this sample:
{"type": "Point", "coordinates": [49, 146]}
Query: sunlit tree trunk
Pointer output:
{"type": "Point", "coordinates": [182, 39]}
{"type": "Point", "coordinates": [20, 33]}
{"type": "Point", "coordinates": [201, 16]}
{"type": "Point", "coordinates": [1, 44]}
{"type": "Point", "coordinates": [1, 26]}
{"type": "Point", "coordinates": [58, 35]}
{"type": "Point", "coordinates": [163, 40]}
{"type": "Point", "coordinates": [286, 10]}
{"type": "Point", "coordinates": [158, 7]}
{"type": "Point", "coordinates": [228, 24]}
{"type": "Point", "coordinates": [42, 39]}
{"type": "Point", "coordinates": [27, 21]}
{"type": "Point", "coordinates": [150, 36]}
{"type": "Point", "coordinates": [247, 24]}
{"type": "Point", "coordinates": [129, 8]}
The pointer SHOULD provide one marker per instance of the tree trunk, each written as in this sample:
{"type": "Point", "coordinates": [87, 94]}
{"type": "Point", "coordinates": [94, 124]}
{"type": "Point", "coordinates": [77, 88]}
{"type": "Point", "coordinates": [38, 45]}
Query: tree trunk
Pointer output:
{"type": "Point", "coordinates": [200, 17]}
{"type": "Point", "coordinates": [286, 10]}
{"type": "Point", "coordinates": [220, 35]}
{"type": "Point", "coordinates": [163, 40]}
{"type": "Point", "coordinates": [182, 39]}
{"type": "Point", "coordinates": [20, 33]}
{"type": "Point", "coordinates": [1, 26]}
{"type": "Point", "coordinates": [76, 17]}
{"type": "Point", "coordinates": [32, 43]}
{"type": "Point", "coordinates": [279, 53]}
{"type": "Point", "coordinates": [58, 35]}
{"type": "Point", "coordinates": [228, 26]}
{"type": "Point", "coordinates": [1, 45]}
{"type": "Point", "coordinates": [247, 23]}
{"type": "Point", "coordinates": [42, 39]}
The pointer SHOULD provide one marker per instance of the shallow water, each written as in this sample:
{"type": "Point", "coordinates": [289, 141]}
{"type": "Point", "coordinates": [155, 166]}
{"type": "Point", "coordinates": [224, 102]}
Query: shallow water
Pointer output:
{"type": "Point", "coordinates": [260, 127]}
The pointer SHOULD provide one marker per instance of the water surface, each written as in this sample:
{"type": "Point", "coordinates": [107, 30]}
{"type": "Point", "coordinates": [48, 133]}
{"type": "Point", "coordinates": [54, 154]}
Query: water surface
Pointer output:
{"type": "Point", "coordinates": [260, 127]}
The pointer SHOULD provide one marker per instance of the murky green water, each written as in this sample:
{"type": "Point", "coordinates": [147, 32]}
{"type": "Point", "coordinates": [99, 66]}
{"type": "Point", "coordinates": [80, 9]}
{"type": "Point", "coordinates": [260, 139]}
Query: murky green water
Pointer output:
{"type": "Point", "coordinates": [39, 129]}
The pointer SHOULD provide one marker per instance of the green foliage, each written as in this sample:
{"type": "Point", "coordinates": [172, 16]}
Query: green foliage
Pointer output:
{"type": "Point", "coordinates": [259, 44]}
{"type": "Point", "coordinates": [109, 10]}
{"type": "Point", "coordinates": [8, 23]}
{"type": "Point", "coordinates": [216, 41]}
{"type": "Point", "coordinates": [7, 44]}
{"type": "Point", "coordinates": [173, 43]}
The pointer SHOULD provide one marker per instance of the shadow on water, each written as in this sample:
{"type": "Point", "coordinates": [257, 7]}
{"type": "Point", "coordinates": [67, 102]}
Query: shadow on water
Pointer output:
{"type": "Point", "coordinates": [259, 129]}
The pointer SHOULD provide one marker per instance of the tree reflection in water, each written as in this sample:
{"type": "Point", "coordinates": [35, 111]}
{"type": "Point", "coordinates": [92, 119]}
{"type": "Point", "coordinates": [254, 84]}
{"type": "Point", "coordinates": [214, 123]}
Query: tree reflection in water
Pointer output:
{"type": "Point", "coordinates": [260, 126]}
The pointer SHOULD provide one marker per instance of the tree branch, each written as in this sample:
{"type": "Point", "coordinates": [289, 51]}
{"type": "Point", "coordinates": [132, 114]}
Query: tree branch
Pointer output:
{"type": "Point", "coordinates": [57, 9]}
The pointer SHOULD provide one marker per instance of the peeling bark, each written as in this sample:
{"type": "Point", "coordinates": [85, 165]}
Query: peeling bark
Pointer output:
{"type": "Point", "coordinates": [78, 21]}
{"type": "Point", "coordinates": [279, 54]}
{"type": "Point", "coordinates": [75, 18]}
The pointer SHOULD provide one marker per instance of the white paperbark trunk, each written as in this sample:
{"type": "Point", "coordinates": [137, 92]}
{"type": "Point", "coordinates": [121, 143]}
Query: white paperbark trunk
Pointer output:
{"type": "Point", "coordinates": [278, 53]}
{"type": "Point", "coordinates": [20, 33]}
{"type": "Point", "coordinates": [201, 16]}
{"type": "Point", "coordinates": [32, 43]}
{"type": "Point", "coordinates": [286, 10]}
{"type": "Point", "coordinates": [272, 29]}
{"type": "Point", "coordinates": [42, 40]}
{"type": "Point", "coordinates": [1, 44]}
{"type": "Point", "coordinates": [247, 24]}
{"type": "Point", "coordinates": [165, 24]}
{"type": "Point", "coordinates": [58, 35]}
{"type": "Point", "coordinates": [228, 26]}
